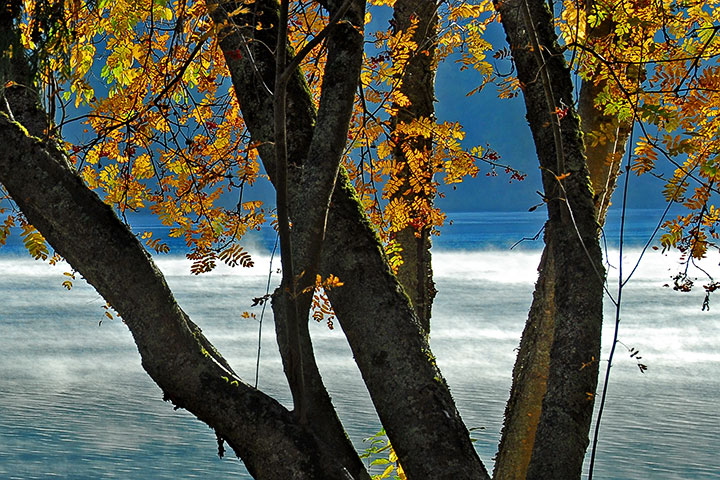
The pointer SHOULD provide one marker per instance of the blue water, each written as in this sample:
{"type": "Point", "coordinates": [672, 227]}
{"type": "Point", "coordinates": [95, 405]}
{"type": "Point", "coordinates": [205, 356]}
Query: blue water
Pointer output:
{"type": "Point", "coordinates": [75, 403]}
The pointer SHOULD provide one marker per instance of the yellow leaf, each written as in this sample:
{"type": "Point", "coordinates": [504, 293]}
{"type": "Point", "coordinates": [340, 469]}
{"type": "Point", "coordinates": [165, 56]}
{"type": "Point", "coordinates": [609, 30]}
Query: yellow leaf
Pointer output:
{"type": "Point", "coordinates": [401, 472]}
{"type": "Point", "coordinates": [383, 150]}
{"type": "Point", "coordinates": [388, 471]}
{"type": "Point", "coordinates": [401, 99]}
{"type": "Point", "coordinates": [239, 11]}
{"type": "Point", "coordinates": [143, 168]}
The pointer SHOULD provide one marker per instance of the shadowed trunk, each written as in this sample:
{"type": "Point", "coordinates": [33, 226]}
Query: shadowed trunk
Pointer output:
{"type": "Point", "coordinates": [291, 302]}
{"type": "Point", "coordinates": [174, 352]}
{"type": "Point", "coordinates": [390, 348]}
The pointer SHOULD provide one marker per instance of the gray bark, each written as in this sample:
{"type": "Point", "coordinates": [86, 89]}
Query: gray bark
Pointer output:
{"type": "Point", "coordinates": [174, 352]}
{"type": "Point", "coordinates": [570, 296]}
{"type": "Point", "coordinates": [291, 303]}
{"type": "Point", "coordinates": [407, 389]}
{"type": "Point", "coordinates": [532, 364]}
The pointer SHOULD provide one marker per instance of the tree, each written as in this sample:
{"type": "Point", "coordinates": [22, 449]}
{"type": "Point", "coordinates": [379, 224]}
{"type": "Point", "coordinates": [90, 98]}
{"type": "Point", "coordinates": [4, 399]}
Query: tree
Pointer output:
{"type": "Point", "coordinates": [413, 152]}
{"type": "Point", "coordinates": [613, 61]}
{"type": "Point", "coordinates": [391, 340]}
{"type": "Point", "coordinates": [293, 107]}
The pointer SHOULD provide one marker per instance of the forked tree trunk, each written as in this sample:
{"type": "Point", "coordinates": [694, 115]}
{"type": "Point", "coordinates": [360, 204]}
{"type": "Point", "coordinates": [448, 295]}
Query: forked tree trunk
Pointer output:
{"type": "Point", "coordinates": [390, 349]}
{"type": "Point", "coordinates": [407, 388]}
{"type": "Point", "coordinates": [530, 373]}
{"type": "Point", "coordinates": [174, 352]}
{"type": "Point", "coordinates": [550, 408]}
{"type": "Point", "coordinates": [291, 302]}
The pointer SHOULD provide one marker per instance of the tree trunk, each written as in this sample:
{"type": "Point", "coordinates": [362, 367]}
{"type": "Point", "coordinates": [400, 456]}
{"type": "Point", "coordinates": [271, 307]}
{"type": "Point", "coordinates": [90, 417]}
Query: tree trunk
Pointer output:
{"type": "Point", "coordinates": [530, 373]}
{"type": "Point", "coordinates": [291, 302]}
{"type": "Point", "coordinates": [390, 348]}
{"type": "Point", "coordinates": [567, 307]}
{"type": "Point", "coordinates": [174, 352]}
{"type": "Point", "coordinates": [529, 383]}
{"type": "Point", "coordinates": [418, 85]}
{"type": "Point", "coordinates": [605, 157]}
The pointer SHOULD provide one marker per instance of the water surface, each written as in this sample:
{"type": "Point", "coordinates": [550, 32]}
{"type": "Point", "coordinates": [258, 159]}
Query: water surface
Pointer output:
{"type": "Point", "coordinates": [75, 402]}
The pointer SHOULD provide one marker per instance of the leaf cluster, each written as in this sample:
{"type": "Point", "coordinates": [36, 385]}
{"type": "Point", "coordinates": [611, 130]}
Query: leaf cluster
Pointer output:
{"type": "Point", "coordinates": [147, 85]}
{"type": "Point", "coordinates": [380, 452]}
{"type": "Point", "coordinates": [657, 64]}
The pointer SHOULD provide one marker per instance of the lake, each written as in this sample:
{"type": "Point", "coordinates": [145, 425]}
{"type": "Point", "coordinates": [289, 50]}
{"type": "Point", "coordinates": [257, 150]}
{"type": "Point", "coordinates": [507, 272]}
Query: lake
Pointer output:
{"type": "Point", "coordinates": [75, 403]}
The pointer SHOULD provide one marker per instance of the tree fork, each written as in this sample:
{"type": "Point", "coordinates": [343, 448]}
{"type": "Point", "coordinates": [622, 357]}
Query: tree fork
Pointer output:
{"type": "Point", "coordinates": [302, 245]}
{"type": "Point", "coordinates": [571, 235]}
{"type": "Point", "coordinates": [416, 408]}
{"type": "Point", "coordinates": [174, 352]}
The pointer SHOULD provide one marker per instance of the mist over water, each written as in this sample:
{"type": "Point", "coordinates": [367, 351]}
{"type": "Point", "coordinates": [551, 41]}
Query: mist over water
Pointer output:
{"type": "Point", "coordinates": [75, 402]}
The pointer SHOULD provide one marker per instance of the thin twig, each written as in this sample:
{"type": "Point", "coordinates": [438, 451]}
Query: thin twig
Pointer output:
{"type": "Point", "coordinates": [262, 312]}
{"type": "Point", "coordinates": [305, 51]}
